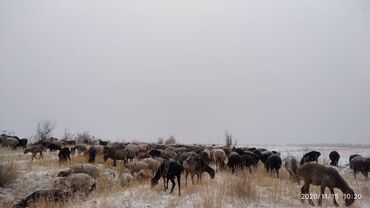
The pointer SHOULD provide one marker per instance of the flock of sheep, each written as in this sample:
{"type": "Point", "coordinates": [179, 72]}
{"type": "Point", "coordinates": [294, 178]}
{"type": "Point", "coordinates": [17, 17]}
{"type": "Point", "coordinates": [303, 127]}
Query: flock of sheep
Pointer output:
{"type": "Point", "coordinates": [169, 162]}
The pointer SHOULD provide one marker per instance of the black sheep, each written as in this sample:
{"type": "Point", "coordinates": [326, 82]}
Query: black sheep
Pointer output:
{"type": "Point", "coordinates": [247, 161]}
{"type": "Point", "coordinates": [234, 161]}
{"type": "Point", "coordinates": [155, 153]}
{"type": "Point", "coordinates": [205, 157]}
{"type": "Point", "coordinates": [273, 163]}
{"type": "Point", "coordinates": [360, 164]}
{"type": "Point", "coordinates": [22, 143]}
{"type": "Point", "coordinates": [169, 170]}
{"type": "Point", "coordinates": [53, 147]}
{"type": "Point", "coordinates": [92, 154]}
{"type": "Point", "coordinates": [310, 156]}
{"type": "Point", "coordinates": [264, 155]}
{"type": "Point", "coordinates": [64, 155]}
{"type": "Point", "coordinates": [101, 142]}
{"type": "Point", "coordinates": [334, 157]}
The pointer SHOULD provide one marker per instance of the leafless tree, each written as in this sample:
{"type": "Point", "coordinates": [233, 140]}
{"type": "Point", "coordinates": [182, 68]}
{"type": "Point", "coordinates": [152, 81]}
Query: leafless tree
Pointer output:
{"type": "Point", "coordinates": [67, 135]}
{"type": "Point", "coordinates": [170, 140]}
{"type": "Point", "coordinates": [160, 140]}
{"type": "Point", "coordinates": [228, 138]}
{"type": "Point", "coordinates": [83, 137]}
{"type": "Point", "coordinates": [44, 129]}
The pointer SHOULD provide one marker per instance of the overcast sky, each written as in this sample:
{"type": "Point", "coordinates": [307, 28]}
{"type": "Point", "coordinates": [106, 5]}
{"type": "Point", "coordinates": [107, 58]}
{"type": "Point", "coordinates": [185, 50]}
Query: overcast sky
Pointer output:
{"type": "Point", "coordinates": [270, 72]}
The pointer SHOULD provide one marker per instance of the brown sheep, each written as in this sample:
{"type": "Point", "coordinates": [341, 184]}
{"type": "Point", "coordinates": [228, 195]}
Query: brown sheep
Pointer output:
{"type": "Point", "coordinates": [34, 150]}
{"type": "Point", "coordinates": [87, 168]}
{"type": "Point", "coordinates": [219, 157]}
{"type": "Point", "coordinates": [291, 165]}
{"type": "Point", "coordinates": [136, 166]}
{"type": "Point", "coordinates": [320, 175]}
{"type": "Point", "coordinates": [152, 163]}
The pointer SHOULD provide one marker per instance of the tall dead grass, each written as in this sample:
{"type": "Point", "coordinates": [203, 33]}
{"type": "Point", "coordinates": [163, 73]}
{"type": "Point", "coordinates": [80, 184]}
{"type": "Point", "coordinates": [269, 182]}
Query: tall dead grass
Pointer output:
{"type": "Point", "coordinates": [8, 173]}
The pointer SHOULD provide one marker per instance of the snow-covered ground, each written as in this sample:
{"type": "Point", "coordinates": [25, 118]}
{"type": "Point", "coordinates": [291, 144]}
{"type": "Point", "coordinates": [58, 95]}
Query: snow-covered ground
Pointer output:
{"type": "Point", "coordinates": [262, 190]}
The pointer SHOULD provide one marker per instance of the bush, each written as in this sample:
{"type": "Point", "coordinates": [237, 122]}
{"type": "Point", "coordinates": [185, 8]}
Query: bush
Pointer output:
{"type": "Point", "coordinates": [8, 173]}
{"type": "Point", "coordinates": [170, 140]}
{"type": "Point", "coordinates": [160, 141]}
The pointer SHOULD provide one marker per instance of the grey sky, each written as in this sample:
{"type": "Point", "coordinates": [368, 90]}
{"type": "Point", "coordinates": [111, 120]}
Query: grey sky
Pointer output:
{"type": "Point", "coordinates": [268, 71]}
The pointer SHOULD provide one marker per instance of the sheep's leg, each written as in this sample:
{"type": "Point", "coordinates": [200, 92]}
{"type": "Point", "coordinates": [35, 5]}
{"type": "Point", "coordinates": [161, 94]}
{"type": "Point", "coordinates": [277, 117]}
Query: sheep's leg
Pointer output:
{"type": "Point", "coordinates": [164, 183]}
{"type": "Point", "coordinates": [41, 155]}
{"type": "Point", "coordinates": [308, 191]}
{"type": "Point", "coordinates": [167, 183]}
{"type": "Point", "coordinates": [173, 184]}
{"type": "Point", "coordinates": [114, 162]}
{"type": "Point", "coordinates": [250, 169]}
{"type": "Point", "coordinates": [179, 184]}
{"type": "Point", "coordinates": [354, 174]}
{"type": "Point", "coordinates": [33, 155]}
{"type": "Point", "coordinates": [277, 173]}
{"type": "Point", "coordinates": [321, 194]}
{"type": "Point", "coordinates": [192, 178]}
{"type": "Point", "coordinates": [333, 194]}
{"type": "Point", "coordinates": [186, 178]}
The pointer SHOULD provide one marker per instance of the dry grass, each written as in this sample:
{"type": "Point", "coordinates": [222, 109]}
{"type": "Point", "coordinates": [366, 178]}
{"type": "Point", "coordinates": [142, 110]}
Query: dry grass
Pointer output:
{"type": "Point", "coordinates": [8, 173]}
{"type": "Point", "coordinates": [241, 189]}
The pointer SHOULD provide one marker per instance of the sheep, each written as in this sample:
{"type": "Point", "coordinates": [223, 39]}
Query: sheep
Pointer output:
{"type": "Point", "coordinates": [273, 163]}
{"type": "Point", "coordinates": [101, 142]}
{"type": "Point", "coordinates": [234, 161]}
{"type": "Point", "coordinates": [205, 157]}
{"type": "Point", "coordinates": [92, 154]}
{"type": "Point", "coordinates": [81, 148]}
{"type": "Point", "coordinates": [334, 157]}
{"type": "Point", "coordinates": [53, 147]}
{"type": "Point", "coordinates": [64, 155]}
{"type": "Point", "coordinates": [319, 175]}
{"type": "Point", "coordinates": [35, 149]}
{"type": "Point", "coordinates": [136, 166]}
{"type": "Point", "coordinates": [360, 164]}
{"type": "Point", "coordinates": [169, 170]}
{"type": "Point", "coordinates": [351, 157]}
{"type": "Point", "coordinates": [55, 195]}
{"type": "Point", "coordinates": [115, 154]}
{"type": "Point", "coordinates": [310, 156]}
{"type": "Point", "coordinates": [125, 179]}
{"type": "Point", "coordinates": [247, 161]}
{"type": "Point", "coordinates": [196, 166]}
{"type": "Point", "coordinates": [264, 155]}
{"type": "Point", "coordinates": [87, 168]}
{"type": "Point", "coordinates": [219, 157]}
{"type": "Point", "coordinates": [77, 182]}
{"type": "Point", "coordinates": [291, 165]}
{"type": "Point", "coordinates": [10, 142]}
{"type": "Point", "coordinates": [153, 164]}
{"type": "Point", "coordinates": [22, 143]}
{"type": "Point", "coordinates": [143, 174]}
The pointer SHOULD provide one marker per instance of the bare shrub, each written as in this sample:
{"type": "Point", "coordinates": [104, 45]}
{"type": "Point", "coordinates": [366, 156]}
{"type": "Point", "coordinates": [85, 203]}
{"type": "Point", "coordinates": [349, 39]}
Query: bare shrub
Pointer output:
{"type": "Point", "coordinates": [44, 129]}
{"type": "Point", "coordinates": [170, 140]}
{"type": "Point", "coordinates": [160, 140]}
{"type": "Point", "coordinates": [67, 135]}
{"type": "Point", "coordinates": [83, 137]}
{"type": "Point", "coordinates": [228, 138]}
{"type": "Point", "coordinates": [8, 173]}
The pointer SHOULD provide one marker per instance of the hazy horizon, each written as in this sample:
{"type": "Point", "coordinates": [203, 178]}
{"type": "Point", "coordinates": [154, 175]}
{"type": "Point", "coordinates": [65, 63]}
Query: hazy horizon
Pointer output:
{"type": "Point", "coordinates": [269, 72]}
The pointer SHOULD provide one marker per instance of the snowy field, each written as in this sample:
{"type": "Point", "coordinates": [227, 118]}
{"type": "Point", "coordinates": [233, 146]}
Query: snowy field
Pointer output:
{"type": "Point", "coordinates": [243, 189]}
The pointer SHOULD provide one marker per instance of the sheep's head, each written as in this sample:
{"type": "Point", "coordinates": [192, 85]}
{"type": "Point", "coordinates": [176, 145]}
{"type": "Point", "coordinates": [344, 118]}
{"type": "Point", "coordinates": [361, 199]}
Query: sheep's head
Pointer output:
{"type": "Point", "coordinates": [63, 173]}
{"type": "Point", "coordinates": [154, 182]}
{"type": "Point", "coordinates": [349, 198]}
